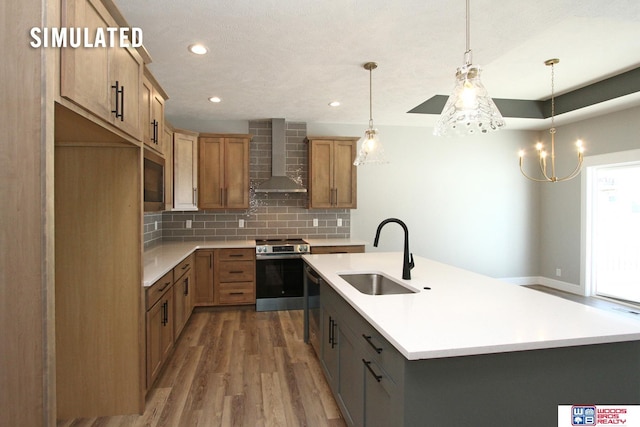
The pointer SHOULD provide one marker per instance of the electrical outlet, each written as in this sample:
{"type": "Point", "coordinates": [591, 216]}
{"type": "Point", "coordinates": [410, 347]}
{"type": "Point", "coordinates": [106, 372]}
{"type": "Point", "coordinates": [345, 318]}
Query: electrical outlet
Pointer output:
{"type": "Point", "coordinates": [315, 222]}
{"type": "Point", "coordinates": [188, 223]}
{"type": "Point", "coordinates": [241, 223]}
{"type": "Point", "coordinates": [339, 222]}
{"type": "Point", "coordinates": [558, 272]}
{"type": "Point", "coordinates": [156, 225]}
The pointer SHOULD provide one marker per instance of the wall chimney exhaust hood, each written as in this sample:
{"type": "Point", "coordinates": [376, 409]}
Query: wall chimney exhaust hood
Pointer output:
{"type": "Point", "coordinates": [279, 181]}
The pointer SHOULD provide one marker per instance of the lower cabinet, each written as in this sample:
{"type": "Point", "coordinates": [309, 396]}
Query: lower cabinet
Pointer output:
{"type": "Point", "coordinates": [364, 371]}
{"type": "Point", "coordinates": [160, 330]}
{"type": "Point", "coordinates": [225, 276]}
{"type": "Point", "coordinates": [182, 294]}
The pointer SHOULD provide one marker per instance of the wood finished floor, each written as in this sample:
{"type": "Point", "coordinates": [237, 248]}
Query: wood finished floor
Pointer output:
{"type": "Point", "coordinates": [237, 368]}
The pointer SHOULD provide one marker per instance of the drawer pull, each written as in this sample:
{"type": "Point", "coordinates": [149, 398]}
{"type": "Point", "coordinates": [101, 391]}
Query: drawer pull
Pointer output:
{"type": "Point", "coordinates": [368, 338]}
{"type": "Point", "coordinates": [164, 287]}
{"type": "Point", "coordinates": [236, 255]}
{"type": "Point", "coordinates": [236, 272]}
{"type": "Point", "coordinates": [368, 365]}
{"type": "Point", "coordinates": [236, 293]}
{"type": "Point", "coordinates": [186, 266]}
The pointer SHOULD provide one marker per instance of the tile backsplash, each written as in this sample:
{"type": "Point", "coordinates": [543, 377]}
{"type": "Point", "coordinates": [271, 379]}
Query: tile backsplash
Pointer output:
{"type": "Point", "coordinates": [270, 215]}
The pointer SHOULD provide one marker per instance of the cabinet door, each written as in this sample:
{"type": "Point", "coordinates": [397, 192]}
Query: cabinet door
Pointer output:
{"type": "Point", "coordinates": [185, 172]}
{"type": "Point", "coordinates": [85, 72]}
{"type": "Point", "coordinates": [145, 113]}
{"type": "Point", "coordinates": [329, 346]}
{"type": "Point", "coordinates": [159, 335]}
{"type": "Point", "coordinates": [237, 173]}
{"type": "Point", "coordinates": [204, 288]}
{"type": "Point", "coordinates": [157, 118]}
{"type": "Point", "coordinates": [350, 380]}
{"type": "Point", "coordinates": [320, 174]}
{"type": "Point", "coordinates": [179, 302]}
{"type": "Point", "coordinates": [377, 391]}
{"type": "Point", "coordinates": [167, 147]}
{"type": "Point", "coordinates": [211, 172]}
{"type": "Point", "coordinates": [344, 182]}
{"type": "Point", "coordinates": [125, 68]}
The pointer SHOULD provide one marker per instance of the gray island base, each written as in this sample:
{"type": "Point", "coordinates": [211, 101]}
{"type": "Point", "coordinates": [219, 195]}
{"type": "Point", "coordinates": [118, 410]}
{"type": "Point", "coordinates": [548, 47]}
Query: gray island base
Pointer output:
{"type": "Point", "coordinates": [375, 384]}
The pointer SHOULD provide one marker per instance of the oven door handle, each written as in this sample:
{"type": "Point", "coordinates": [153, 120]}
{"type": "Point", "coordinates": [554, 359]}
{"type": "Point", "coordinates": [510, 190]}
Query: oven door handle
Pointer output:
{"type": "Point", "coordinates": [312, 277]}
{"type": "Point", "coordinates": [270, 257]}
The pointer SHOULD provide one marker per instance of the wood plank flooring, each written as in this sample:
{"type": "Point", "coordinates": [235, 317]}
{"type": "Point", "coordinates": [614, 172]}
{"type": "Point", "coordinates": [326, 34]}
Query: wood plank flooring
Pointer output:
{"type": "Point", "coordinates": [236, 367]}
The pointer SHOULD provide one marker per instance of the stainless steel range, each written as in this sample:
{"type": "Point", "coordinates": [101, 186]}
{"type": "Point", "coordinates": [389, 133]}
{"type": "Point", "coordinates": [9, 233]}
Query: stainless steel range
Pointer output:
{"type": "Point", "coordinates": [279, 274]}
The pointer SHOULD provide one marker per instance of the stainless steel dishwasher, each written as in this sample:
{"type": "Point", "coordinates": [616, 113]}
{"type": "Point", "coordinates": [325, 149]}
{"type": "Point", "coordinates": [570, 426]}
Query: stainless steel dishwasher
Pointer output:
{"type": "Point", "coordinates": [312, 283]}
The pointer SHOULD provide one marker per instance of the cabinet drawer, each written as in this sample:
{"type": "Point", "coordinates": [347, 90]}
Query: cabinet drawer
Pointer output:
{"type": "Point", "coordinates": [337, 249]}
{"type": "Point", "coordinates": [154, 292]}
{"type": "Point", "coordinates": [237, 293]}
{"type": "Point", "coordinates": [237, 254]}
{"type": "Point", "coordinates": [237, 271]}
{"type": "Point", "coordinates": [183, 267]}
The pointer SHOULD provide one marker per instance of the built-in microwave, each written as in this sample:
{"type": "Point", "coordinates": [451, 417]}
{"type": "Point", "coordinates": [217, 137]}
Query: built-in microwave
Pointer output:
{"type": "Point", "coordinates": [153, 182]}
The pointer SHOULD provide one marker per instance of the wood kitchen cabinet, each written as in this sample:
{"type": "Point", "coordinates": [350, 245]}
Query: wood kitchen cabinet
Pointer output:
{"type": "Point", "coordinates": [167, 148]}
{"type": "Point", "coordinates": [346, 249]}
{"type": "Point", "coordinates": [104, 81]}
{"type": "Point", "coordinates": [185, 170]}
{"type": "Point", "coordinates": [204, 274]}
{"type": "Point", "coordinates": [152, 110]}
{"type": "Point", "coordinates": [332, 175]}
{"type": "Point", "coordinates": [236, 282]}
{"type": "Point", "coordinates": [160, 325]}
{"type": "Point", "coordinates": [223, 171]}
{"type": "Point", "coordinates": [225, 276]}
{"type": "Point", "coordinates": [183, 293]}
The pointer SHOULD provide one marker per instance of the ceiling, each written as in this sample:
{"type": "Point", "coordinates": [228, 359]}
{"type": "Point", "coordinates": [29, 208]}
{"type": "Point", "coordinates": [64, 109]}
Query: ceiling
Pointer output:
{"type": "Point", "coordinates": [290, 58]}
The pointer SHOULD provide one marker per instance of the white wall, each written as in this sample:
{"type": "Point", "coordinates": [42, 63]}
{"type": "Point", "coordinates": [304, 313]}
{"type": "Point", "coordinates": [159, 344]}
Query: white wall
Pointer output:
{"type": "Point", "coordinates": [560, 202]}
{"type": "Point", "coordinates": [463, 199]}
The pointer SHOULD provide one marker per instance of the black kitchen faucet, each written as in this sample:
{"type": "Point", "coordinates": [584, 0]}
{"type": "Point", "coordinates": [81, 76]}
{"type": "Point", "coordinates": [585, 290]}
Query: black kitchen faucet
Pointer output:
{"type": "Point", "coordinates": [407, 263]}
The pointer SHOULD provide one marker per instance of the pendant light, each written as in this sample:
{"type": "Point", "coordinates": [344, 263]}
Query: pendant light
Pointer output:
{"type": "Point", "coordinates": [469, 109]}
{"type": "Point", "coordinates": [371, 151]}
{"type": "Point", "coordinates": [542, 154]}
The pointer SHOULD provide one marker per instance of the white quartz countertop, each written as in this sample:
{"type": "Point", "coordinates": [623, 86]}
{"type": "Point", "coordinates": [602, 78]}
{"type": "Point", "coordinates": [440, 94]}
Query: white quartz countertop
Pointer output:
{"type": "Point", "coordinates": [465, 313]}
{"type": "Point", "coordinates": [162, 257]}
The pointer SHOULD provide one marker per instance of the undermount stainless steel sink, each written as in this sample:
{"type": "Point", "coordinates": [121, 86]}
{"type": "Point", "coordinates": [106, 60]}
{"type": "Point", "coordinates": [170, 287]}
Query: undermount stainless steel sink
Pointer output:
{"type": "Point", "coordinates": [375, 284]}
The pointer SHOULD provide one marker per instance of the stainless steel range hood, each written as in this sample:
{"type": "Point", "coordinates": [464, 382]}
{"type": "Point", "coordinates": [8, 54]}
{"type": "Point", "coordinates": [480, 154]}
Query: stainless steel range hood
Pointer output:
{"type": "Point", "coordinates": [279, 181]}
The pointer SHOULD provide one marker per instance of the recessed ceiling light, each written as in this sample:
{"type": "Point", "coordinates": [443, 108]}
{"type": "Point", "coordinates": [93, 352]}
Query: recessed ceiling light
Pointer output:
{"type": "Point", "coordinates": [334, 104]}
{"type": "Point", "coordinates": [215, 99]}
{"type": "Point", "coordinates": [198, 49]}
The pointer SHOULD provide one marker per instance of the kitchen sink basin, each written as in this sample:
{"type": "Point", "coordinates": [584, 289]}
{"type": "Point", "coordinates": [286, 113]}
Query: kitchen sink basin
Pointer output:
{"type": "Point", "coordinates": [375, 284]}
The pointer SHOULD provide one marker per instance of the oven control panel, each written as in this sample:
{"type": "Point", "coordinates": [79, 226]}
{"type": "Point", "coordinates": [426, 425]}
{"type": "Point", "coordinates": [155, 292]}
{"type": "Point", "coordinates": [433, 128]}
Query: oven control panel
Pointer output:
{"type": "Point", "coordinates": [302, 248]}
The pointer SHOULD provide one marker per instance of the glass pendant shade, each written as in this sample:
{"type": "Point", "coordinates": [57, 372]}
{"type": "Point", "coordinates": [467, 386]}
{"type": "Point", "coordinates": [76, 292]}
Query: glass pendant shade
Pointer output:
{"type": "Point", "coordinates": [469, 109]}
{"type": "Point", "coordinates": [371, 151]}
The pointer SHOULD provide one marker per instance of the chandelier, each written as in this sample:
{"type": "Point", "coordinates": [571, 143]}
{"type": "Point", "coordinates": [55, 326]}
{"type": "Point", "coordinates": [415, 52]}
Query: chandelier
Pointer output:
{"type": "Point", "coordinates": [550, 176]}
{"type": "Point", "coordinates": [469, 109]}
{"type": "Point", "coordinates": [371, 151]}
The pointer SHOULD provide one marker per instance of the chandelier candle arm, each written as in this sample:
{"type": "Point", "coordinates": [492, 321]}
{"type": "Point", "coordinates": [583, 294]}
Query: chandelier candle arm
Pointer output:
{"type": "Point", "coordinates": [542, 154]}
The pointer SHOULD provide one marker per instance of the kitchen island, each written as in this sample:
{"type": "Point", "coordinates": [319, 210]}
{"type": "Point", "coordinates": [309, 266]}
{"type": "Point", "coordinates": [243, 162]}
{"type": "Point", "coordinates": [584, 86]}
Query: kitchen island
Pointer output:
{"type": "Point", "coordinates": [465, 349]}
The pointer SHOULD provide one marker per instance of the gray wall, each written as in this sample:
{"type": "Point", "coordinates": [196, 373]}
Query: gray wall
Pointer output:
{"type": "Point", "coordinates": [560, 202]}
{"type": "Point", "coordinates": [463, 199]}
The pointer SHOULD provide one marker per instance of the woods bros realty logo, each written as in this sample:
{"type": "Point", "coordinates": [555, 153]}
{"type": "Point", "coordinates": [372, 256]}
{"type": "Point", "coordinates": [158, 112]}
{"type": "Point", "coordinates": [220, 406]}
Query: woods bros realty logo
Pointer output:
{"type": "Point", "coordinates": [77, 37]}
{"type": "Point", "coordinates": [596, 415]}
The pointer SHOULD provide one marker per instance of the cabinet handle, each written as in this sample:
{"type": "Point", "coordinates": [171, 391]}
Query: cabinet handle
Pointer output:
{"type": "Point", "coordinates": [164, 287]}
{"type": "Point", "coordinates": [185, 266]}
{"type": "Point", "coordinates": [154, 134]}
{"type": "Point", "coordinates": [122, 104]}
{"type": "Point", "coordinates": [119, 98]}
{"type": "Point", "coordinates": [368, 338]}
{"type": "Point", "coordinates": [236, 272]}
{"type": "Point", "coordinates": [164, 313]}
{"type": "Point", "coordinates": [210, 261]}
{"type": "Point", "coordinates": [333, 333]}
{"type": "Point", "coordinates": [195, 196]}
{"type": "Point", "coordinates": [235, 255]}
{"type": "Point", "coordinates": [330, 330]}
{"type": "Point", "coordinates": [186, 286]}
{"type": "Point", "coordinates": [368, 365]}
{"type": "Point", "coordinates": [236, 293]}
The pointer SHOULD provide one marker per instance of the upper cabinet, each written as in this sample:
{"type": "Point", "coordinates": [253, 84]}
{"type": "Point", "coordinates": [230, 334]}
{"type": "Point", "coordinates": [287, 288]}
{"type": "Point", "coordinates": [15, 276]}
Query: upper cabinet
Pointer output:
{"type": "Point", "coordinates": [167, 147]}
{"type": "Point", "coordinates": [185, 171]}
{"type": "Point", "coordinates": [104, 81]}
{"type": "Point", "coordinates": [152, 111]}
{"type": "Point", "coordinates": [223, 171]}
{"type": "Point", "coordinates": [332, 175]}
